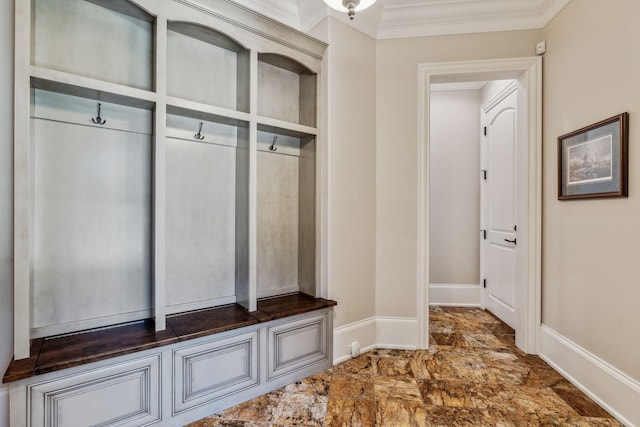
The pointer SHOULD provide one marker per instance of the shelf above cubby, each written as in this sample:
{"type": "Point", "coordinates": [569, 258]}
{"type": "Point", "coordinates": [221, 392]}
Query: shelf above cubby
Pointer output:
{"type": "Point", "coordinates": [212, 113]}
{"type": "Point", "coordinates": [282, 127]}
{"type": "Point", "coordinates": [86, 87]}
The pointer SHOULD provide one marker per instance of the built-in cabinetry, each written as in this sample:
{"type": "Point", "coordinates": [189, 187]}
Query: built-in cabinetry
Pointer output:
{"type": "Point", "coordinates": [172, 384]}
{"type": "Point", "coordinates": [166, 170]}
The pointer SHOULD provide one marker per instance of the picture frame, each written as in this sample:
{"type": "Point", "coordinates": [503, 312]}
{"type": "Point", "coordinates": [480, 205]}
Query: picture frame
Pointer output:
{"type": "Point", "coordinates": [593, 161]}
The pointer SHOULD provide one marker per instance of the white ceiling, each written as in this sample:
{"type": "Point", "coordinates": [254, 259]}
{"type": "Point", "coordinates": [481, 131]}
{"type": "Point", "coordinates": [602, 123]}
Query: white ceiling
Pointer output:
{"type": "Point", "coordinates": [388, 19]}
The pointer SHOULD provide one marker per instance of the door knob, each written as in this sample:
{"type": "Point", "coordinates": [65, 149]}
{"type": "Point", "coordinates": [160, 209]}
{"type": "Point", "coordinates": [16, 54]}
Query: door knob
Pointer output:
{"type": "Point", "coordinates": [511, 241]}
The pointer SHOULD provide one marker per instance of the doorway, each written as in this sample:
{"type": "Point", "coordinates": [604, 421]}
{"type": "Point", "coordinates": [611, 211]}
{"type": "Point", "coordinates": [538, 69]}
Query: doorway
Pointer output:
{"type": "Point", "coordinates": [528, 73]}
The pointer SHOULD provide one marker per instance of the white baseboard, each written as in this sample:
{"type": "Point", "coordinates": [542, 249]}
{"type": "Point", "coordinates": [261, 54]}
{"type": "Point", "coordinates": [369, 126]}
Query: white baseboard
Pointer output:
{"type": "Point", "coordinates": [612, 389]}
{"type": "Point", "coordinates": [375, 332]}
{"type": "Point", "coordinates": [397, 332]}
{"type": "Point", "coordinates": [4, 406]}
{"type": "Point", "coordinates": [455, 295]}
{"type": "Point", "coordinates": [363, 331]}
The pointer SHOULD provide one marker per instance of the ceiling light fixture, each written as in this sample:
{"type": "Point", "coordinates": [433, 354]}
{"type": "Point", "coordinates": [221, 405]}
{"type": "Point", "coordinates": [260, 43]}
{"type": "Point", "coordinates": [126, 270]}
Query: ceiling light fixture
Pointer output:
{"type": "Point", "coordinates": [350, 6]}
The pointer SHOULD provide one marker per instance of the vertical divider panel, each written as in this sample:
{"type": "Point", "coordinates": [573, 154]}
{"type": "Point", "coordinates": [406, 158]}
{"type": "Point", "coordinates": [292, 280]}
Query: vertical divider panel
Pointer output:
{"type": "Point", "coordinates": [23, 183]}
{"type": "Point", "coordinates": [309, 233]}
{"type": "Point", "coordinates": [253, 181]}
{"type": "Point", "coordinates": [244, 296]}
{"type": "Point", "coordinates": [309, 179]}
{"type": "Point", "coordinates": [242, 275]}
{"type": "Point", "coordinates": [307, 217]}
{"type": "Point", "coordinates": [243, 77]}
{"type": "Point", "coordinates": [322, 183]}
{"type": "Point", "coordinates": [159, 177]}
{"type": "Point", "coordinates": [308, 96]}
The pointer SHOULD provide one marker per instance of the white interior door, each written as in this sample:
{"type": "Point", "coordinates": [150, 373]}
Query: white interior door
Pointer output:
{"type": "Point", "coordinates": [499, 240]}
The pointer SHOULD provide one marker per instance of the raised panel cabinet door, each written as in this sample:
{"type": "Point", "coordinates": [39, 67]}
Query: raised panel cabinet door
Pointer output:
{"type": "Point", "coordinates": [209, 371]}
{"type": "Point", "coordinates": [296, 345]}
{"type": "Point", "coordinates": [127, 394]}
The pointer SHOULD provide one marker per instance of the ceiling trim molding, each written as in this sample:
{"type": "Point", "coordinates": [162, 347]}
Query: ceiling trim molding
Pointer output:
{"type": "Point", "coordinates": [421, 29]}
{"type": "Point", "coordinates": [420, 20]}
{"type": "Point", "coordinates": [390, 19]}
{"type": "Point", "coordinates": [553, 10]}
{"type": "Point", "coordinates": [311, 13]}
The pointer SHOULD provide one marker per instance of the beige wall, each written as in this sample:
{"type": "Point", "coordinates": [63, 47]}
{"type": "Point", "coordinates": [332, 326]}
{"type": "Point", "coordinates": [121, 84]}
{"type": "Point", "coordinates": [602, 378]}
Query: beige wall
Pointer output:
{"type": "Point", "coordinates": [590, 253]}
{"type": "Point", "coordinates": [397, 151]}
{"type": "Point", "coordinates": [352, 160]}
{"type": "Point", "coordinates": [454, 165]}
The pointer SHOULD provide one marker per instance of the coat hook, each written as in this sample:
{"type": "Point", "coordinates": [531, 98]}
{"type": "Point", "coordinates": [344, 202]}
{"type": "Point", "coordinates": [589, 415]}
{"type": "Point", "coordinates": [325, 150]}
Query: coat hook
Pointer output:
{"type": "Point", "coordinates": [98, 120]}
{"type": "Point", "coordinates": [273, 144]}
{"type": "Point", "coordinates": [199, 135]}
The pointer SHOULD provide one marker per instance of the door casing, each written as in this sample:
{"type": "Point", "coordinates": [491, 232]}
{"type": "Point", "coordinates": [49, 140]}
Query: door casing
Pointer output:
{"type": "Point", "coordinates": [528, 72]}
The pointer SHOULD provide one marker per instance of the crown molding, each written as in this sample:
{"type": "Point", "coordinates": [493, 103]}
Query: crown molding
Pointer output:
{"type": "Point", "coordinates": [311, 13]}
{"type": "Point", "coordinates": [433, 18]}
{"type": "Point", "coordinates": [388, 19]}
{"type": "Point", "coordinates": [552, 10]}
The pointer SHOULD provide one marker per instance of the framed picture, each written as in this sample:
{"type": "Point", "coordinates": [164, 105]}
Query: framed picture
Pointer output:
{"type": "Point", "coordinates": [592, 161]}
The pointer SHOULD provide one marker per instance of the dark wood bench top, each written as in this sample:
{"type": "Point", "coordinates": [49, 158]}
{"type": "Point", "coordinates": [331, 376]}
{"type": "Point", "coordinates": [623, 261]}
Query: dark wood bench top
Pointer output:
{"type": "Point", "coordinates": [65, 351]}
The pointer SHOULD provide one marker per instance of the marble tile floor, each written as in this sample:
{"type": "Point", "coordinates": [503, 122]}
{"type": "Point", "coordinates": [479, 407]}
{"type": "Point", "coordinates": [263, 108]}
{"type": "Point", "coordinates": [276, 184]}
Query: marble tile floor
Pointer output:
{"type": "Point", "coordinates": [472, 375]}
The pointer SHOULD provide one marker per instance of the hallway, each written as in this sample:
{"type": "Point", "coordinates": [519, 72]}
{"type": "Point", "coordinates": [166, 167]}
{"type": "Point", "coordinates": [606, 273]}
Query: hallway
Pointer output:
{"type": "Point", "coordinates": [472, 375]}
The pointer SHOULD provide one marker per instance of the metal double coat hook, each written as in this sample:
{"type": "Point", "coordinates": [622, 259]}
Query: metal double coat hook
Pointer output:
{"type": "Point", "coordinates": [198, 135]}
{"type": "Point", "coordinates": [98, 120]}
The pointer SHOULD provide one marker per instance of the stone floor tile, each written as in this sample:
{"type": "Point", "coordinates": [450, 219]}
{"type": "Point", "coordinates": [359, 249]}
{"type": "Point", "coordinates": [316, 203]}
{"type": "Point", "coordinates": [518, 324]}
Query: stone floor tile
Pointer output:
{"type": "Point", "coordinates": [458, 393]}
{"type": "Point", "coordinates": [316, 384]}
{"type": "Point", "coordinates": [401, 413]}
{"type": "Point", "coordinates": [454, 339]}
{"type": "Point", "coordinates": [301, 410]}
{"type": "Point", "coordinates": [397, 388]}
{"type": "Point", "coordinates": [391, 366]}
{"type": "Point", "coordinates": [472, 375]}
{"type": "Point", "coordinates": [353, 388]}
{"type": "Point", "coordinates": [483, 340]}
{"type": "Point", "coordinates": [448, 416]}
{"type": "Point", "coordinates": [350, 412]}
{"type": "Point", "coordinates": [358, 366]}
{"type": "Point", "coordinates": [578, 400]}
{"type": "Point", "coordinates": [258, 409]}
